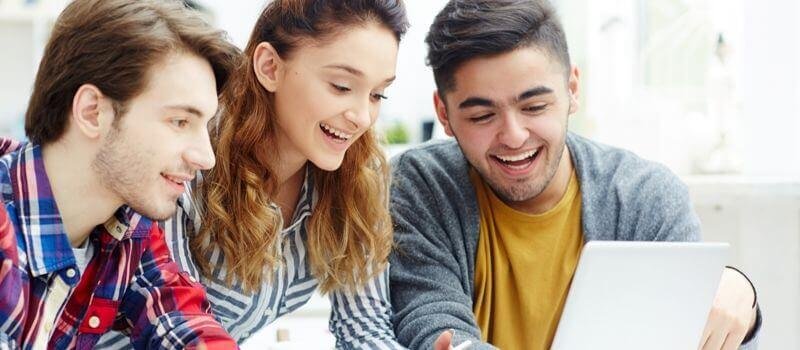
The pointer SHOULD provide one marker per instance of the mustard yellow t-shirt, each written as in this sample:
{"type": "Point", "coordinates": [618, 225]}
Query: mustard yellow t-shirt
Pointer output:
{"type": "Point", "coordinates": [523, 268]}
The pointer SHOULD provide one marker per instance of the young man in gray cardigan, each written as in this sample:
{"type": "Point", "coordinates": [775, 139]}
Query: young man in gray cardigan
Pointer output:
{"type": "Point", "coordinates": [506, 89]}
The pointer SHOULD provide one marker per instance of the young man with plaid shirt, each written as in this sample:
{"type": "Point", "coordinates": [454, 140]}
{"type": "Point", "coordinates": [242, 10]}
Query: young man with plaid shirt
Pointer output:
{"type": "Point", "coordinates": [117, 123]}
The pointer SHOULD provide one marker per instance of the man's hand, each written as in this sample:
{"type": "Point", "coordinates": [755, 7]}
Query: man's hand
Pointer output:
{"type": "Point", "coordinates": [445, 340]}
{"type": "Point", "coordinates": [732, 314]}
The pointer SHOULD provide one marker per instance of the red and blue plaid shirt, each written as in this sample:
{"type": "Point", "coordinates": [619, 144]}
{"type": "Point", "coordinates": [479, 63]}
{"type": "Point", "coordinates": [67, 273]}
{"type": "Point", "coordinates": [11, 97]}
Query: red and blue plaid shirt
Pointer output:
{"type": "Point", "coordinates": [130, 284]}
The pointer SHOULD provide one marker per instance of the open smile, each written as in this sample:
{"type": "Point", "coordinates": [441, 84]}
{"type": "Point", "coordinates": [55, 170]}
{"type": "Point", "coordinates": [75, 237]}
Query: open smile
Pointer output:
{"type": "Point", "coordinates": [517, 164]}
{"type": "Point", "coordinates": [334, 133]}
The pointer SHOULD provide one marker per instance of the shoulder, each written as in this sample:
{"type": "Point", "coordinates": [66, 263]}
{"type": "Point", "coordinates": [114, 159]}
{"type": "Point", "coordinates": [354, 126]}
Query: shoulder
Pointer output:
{"type": "Point", "coordinates": [13, 257]}
{"type": "Point", "coordinates": [9, 145]}
{"type": "Point", "coordinates": [629, 196]}
{"type": "Point", "coordinates": [8, 242]}
{"type": "Point", "coordinates": [9, 152]}
{"type": "Point", "coordinates": [442, 153]}
{"type": "Point", "coordinates": [438, 165]}
{"type": "Point", "coordinates": [603, 167]}
{"type": "Point", "coordinates": [433, 202]}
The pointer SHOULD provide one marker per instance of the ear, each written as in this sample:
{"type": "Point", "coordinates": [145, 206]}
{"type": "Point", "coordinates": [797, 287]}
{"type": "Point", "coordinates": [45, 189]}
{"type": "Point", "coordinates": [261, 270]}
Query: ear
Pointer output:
{"type": "Point", "coordinates": [441, 113]}
{"type": "Point", "coordinates": [267, 64]}
{"type": "Point", "coordinates": [573, 86]}
{"type": "Point", "coordinates": [92, 113]}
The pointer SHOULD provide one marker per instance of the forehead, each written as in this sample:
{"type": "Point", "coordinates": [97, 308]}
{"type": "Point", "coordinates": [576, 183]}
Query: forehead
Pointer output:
{"type": "Point", "coordinates": [370, 48]}
{"type": "Point", "coordinates": [181, 79]}
{"type": "Point", "coordinates": [507, 74]}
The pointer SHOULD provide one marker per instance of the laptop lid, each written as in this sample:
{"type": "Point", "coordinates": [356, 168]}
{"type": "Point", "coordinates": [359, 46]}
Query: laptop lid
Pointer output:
{"type": "Point", "coordinates": [640, 295]}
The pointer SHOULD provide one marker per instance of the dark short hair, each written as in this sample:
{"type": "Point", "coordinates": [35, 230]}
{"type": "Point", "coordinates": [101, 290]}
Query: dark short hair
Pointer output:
{"type": "Point", "coordinates": [468, 29]}
{"type": "Point", "coordinates": [112, 44]}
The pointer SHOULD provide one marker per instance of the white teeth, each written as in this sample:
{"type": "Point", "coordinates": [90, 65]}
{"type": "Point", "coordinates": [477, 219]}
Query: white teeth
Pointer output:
{"type": "Point", "coordinates": [519, 156]}
{"type": "Point", "coordinates": [340, 134]}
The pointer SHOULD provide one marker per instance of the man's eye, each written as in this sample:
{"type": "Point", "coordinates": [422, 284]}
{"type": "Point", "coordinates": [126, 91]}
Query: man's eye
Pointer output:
{"type": "Point", "coordinates": [180, 123]}
{"type": "Point", "coordinates": [537, 108]}
{"type": "Point", "coordinates": [481, 118]}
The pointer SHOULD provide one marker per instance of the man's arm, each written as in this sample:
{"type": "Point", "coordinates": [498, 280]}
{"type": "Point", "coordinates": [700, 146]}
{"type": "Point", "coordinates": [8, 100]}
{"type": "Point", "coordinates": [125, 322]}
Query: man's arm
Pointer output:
{"type": "Point", "coordinates": [166, 309]}
{"type": "Point", "coordinates": [667, 215]}
{"type": "Point", "coordinates": [11, 292]}
{"type": "Point", "coordinates": [429, 293]}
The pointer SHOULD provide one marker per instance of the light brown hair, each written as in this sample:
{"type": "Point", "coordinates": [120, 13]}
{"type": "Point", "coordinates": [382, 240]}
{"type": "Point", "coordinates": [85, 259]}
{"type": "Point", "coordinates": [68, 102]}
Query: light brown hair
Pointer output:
{"type": "Point", "coordinates": [349, 232]}
{"type": "Point", "coordinates": [112, 44]}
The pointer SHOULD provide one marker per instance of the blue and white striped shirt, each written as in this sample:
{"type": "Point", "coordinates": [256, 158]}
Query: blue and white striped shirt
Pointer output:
{"type": "Point", "coordinates": [359, 320]}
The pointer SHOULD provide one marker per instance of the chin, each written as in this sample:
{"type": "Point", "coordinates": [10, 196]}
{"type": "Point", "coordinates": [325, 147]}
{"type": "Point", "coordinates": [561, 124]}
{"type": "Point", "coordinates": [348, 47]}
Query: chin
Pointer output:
{"type": "Point", "coordinates": [329, 164]}
{"type": "Point", "coordinates": [160, 212]}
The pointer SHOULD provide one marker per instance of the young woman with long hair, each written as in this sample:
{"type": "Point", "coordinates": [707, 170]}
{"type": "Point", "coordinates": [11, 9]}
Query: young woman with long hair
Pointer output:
{"type": "Point", "coordinates": [298, 199]}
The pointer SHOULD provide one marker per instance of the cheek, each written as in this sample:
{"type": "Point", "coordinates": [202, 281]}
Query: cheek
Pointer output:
{"type": "Point", "coordinates": [476, 141]}
{"type": "Point", "coordinates": [311, 105]}
{"type": "Point", "coordinates": [288, 113]}
{"type": "Point", "coordinates": [548, 128]}
{"type": "Point", "coordinates": [373, 115]}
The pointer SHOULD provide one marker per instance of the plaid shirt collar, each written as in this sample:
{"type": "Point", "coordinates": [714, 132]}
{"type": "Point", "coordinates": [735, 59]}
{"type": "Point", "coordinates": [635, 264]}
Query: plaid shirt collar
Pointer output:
{"type": "Point", "coordinates": [47, 246]}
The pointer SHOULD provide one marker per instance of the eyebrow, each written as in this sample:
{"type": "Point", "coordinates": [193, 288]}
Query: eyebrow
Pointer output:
{"type": "Point", "coordinates": [187, 109]}
{"type": "Point", "coordinates": [475, 101]}
{"type": "Point", "coordinates": [537, 91]}
{"type": "Point", "coordinates": [354, 71]}
{"type": "Point", "coordinates": [485, 102]}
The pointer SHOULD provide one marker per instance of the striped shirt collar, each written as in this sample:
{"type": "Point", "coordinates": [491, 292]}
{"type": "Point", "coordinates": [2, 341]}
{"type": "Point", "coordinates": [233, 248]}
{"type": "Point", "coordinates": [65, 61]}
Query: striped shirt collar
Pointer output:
{"type": "Point", "coordinates": [47, 246]}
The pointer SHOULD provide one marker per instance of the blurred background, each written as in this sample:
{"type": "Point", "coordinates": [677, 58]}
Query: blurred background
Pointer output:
{"type": "Point", "coordinates": [708, 87]}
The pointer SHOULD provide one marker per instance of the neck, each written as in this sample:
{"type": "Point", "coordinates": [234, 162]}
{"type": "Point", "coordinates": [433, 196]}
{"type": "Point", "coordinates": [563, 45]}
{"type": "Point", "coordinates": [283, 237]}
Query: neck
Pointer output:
{"type": "Point", "coordinates": [82, 200]}
{"type": "Point", "coordinates": [554, 191]}
{"type": "Point", "coordinates": [289, 192]}
{"type": "Point", "coordinates": [289, 173]}
{"type": "Point", "coordinates": [289, 163]}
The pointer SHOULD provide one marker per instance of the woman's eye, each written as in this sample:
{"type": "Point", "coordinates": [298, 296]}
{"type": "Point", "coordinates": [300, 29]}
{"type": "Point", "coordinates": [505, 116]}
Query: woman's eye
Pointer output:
{"type": "Point", "coordinates": [340, 88]}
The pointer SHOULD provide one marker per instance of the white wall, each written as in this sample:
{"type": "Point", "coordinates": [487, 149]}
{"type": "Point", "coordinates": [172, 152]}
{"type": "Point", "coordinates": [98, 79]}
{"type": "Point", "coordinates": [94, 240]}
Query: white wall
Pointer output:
{"type": "Point", "coordinates": [236, 17]}
{"type": "Point", "coordinates": [771, 71]}
{"type": "Point", "coordinates": [411, 96]}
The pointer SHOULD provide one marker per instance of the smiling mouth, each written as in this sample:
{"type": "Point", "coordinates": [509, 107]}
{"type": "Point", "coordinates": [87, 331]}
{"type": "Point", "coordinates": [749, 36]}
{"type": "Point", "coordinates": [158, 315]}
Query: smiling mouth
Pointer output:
{"type": "Point", "coordinates": [334, 132]}
{"type": "Point", "coordinates": [518, 161]}
{"type": "Point", "coordinates": [178, 181]}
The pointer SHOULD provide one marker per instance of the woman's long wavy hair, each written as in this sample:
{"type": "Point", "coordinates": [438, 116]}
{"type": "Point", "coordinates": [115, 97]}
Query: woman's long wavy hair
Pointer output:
{"type": "Point", "coordinates": [350, 230]}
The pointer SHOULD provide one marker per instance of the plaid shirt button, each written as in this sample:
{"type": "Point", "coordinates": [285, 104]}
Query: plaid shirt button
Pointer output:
{"type": "Point", "coordinates": [94, 321]}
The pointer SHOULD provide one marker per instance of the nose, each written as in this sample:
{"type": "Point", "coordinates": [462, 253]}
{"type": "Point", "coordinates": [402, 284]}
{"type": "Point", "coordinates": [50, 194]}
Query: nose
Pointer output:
{"type": "Point", "coordinates": [513, 134]}
{"type": "Point", "coordinates": [360, 116]}
{"type": "Point", "coordinates": [200, 155]}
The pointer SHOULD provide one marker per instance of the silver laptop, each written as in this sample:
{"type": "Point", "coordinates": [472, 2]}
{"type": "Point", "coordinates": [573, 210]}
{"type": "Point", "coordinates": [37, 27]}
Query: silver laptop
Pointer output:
{"type": "Point", "coordinates": [640, 295]}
